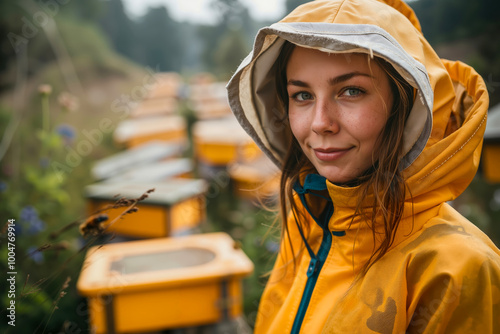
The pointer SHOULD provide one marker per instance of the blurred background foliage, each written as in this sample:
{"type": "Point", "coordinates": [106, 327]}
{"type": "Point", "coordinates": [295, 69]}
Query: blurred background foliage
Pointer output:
{"type": "Point", "coordinates": [92, 54]}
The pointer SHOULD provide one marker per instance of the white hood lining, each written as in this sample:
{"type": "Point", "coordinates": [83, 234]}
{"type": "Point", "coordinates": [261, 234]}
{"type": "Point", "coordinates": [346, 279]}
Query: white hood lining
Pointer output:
{"type": "Point", "coordinates": [252, 91]}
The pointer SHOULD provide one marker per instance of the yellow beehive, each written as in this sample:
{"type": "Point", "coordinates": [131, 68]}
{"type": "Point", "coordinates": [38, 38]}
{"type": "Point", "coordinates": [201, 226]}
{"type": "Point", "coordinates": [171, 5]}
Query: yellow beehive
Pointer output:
{"type": "Point", "coordinates": [166, 84]}
{"type": "Point", "coordinates": [211, 109]}
{"type": "Point", "coordinates": [165, 283]}
{"type": "Point", "coordinates": [133, 132]}
{"type": "Point", "coordinates": [219, 142]}
{"type": "Point", "coordinates": [490, 160]}
{"type": "Point", "coordinates": [175, 207]}
{"type": "Point", "coordinates": [209, 100]}
{"type": "Point", "coordinates": [208, 91]}
{"type": "Point", "coordinates": [203, 78]}
{"type": "Point", "coordinates": [255, 179]}
{"type": "Point", "coordinates": [156, 107]}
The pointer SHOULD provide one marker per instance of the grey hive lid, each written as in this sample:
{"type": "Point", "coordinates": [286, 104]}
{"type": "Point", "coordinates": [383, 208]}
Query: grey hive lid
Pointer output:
{"type": "Point", "coordinates": [166, 193]}
{"type": "Point", "coordinates": [137, 156]}
{"type": "Point", "coordinates": [155, 171]}
{"type": "Point", "coordinates": [492, 131]}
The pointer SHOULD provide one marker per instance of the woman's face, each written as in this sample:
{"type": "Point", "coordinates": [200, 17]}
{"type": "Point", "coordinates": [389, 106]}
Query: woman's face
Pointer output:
{"type": "Point", "coordinates": [338, 106]}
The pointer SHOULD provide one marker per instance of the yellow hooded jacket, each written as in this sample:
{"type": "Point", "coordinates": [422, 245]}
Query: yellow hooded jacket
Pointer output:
{"type": "Point", "coordinates": [441, 274]}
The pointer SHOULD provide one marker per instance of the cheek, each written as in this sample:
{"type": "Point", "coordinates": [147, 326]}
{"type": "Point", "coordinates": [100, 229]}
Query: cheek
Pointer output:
{"type": "Point", "coordinates": [368, 126]}
{"type": "Point", "coordinates": [298, 124]}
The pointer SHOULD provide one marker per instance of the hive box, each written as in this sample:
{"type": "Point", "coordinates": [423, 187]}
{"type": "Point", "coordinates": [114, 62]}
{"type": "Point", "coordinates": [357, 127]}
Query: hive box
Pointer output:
{"type": "Point", "coordinates": [491, 147]}
{"type": "Point", "coordinates": [255, 179]}
{"type": "Point", "coordinates": [166, 84]}
{"type": "Point", "coordinates": [156, 107]}
{"type": "Point", "coordinates": [136, 131]}
{"type": "Point", "coordinates": [164, 283]}
{"type": "Point", "coordinates": [176, 206]}
{"type": "Point", "coordinates": [209, 100]}
{"type": "Point", "coordinates": [222, 141]}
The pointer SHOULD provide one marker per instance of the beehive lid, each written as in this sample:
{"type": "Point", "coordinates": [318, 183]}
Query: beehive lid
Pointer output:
{"type": "Point", "coordinates": [224, 130]}
{"type": "Point", "coordinates": [211, 109]}
{"type": "Point", "coordinates": [162, 263]}
{"type": "Point", "coordinates": [166, 192]}
{"type": "Point", "coordinates": [208, 91]}
{"type": "Point", "coordinates": [155, 107]}
{"type": "Point", "coordinates": [260, 169]}
{"type": "Point", "coordinates": [131, 128]}
{"type": "Point", "coordinates": [137, 156]}
{"type": "Point", "coordinates": [155, 171]}
{"type": "Point", "coordinates": [166, 84]}
{"type": "Point", "coordinates": [492, 132]}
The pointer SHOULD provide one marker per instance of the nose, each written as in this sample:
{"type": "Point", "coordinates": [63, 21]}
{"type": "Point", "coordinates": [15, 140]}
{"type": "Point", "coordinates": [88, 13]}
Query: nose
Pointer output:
{"type": "Point", "coordinates": [325, 118]}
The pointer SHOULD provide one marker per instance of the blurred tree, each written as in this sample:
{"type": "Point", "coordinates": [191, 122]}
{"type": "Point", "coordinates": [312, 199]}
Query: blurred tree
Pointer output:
{"type": "Point", "coordinates": [448, 20]}
{"type": "Point", "coordinates": [154, 40]}
{"type": "Point", "coordinates": [23, 26]}
{"type": "Point", "coordinates": [230, 51]}
{"type": "Point", "coordinates": [227, 10]}
{"type": "Point", "coordinates": [292, 4]}
{"type": "Point", "coordinates": [234, 24]}
{"type": "Point", "coordinates": [159, 44]}
{"type": "Point", "coordinates": [192, 45]}
{"type": "Point", "coordinates": [118, 27]}
{"type": "Point", "coordinates": [10, 19]}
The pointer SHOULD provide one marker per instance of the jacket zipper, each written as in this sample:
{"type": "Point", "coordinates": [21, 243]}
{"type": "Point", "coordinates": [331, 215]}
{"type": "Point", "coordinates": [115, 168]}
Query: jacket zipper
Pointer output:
{"type": "Point", "coordinates": [313, 271]}
{"type": "Point", "coordinates": [318, 183]}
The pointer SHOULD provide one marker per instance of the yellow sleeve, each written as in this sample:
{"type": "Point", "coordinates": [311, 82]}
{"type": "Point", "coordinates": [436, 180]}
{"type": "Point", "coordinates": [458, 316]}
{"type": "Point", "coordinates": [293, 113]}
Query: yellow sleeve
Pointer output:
{"type": "Point", "coordinates": [462, 297]}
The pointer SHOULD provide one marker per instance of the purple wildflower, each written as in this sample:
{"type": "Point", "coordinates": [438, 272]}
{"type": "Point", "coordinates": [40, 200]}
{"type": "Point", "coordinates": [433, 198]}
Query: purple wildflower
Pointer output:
{"type": "Point", "coordinates": [28, 213]}
{"type": "Point", "coordinates": [3, 186]}
{"type": "Point", "coordinates": [36, 226]}
{"type": "Point", "coordinates": [272, 246]}
{"type": "Point", "coordinates": [67, 132]}
{"type": "Point", "coordinates": [30, 216]}
{"type": "Point", "coordinates": [35, 254]}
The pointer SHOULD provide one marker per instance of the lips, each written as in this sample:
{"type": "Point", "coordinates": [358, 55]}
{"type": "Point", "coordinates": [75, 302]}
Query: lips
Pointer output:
{"type": "Point", "coordinates": [330, 154]}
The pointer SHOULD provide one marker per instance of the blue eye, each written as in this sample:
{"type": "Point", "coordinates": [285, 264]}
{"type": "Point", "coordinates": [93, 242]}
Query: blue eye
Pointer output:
{"type": "Point", "coordinates": [352, 92]}
{"type": "Point", "coordinates": [302, 96]}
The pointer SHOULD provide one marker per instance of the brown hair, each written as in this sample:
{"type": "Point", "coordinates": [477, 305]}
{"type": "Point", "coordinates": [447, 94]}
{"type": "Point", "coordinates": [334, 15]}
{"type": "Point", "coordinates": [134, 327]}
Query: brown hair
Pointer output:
{"type": "Point", "coordinates": [384, 180]}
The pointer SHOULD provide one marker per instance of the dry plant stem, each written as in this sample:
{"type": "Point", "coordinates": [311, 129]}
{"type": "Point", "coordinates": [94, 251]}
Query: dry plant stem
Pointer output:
{"type": "Point", "coordinates": [61, 294]}
{"type": "Point", "coordinates": [32, 289]}
{"type": "Point", "coordinates": [95, 227]}
{"type": "Point", "coordinates": [65, 228]}
{"type": "Point", "coordinates": [118, 204]}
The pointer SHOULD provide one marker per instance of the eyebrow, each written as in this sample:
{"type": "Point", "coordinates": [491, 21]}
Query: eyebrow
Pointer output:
{"type": "Point", "coordinates": [331, 81]}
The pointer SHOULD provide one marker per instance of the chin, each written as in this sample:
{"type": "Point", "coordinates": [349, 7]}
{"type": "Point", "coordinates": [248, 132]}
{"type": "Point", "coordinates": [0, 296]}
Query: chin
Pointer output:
{"type": "Point", "coordinates": [336, 178]}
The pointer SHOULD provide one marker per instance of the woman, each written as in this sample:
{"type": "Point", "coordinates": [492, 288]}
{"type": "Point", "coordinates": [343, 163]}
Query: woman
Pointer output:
{"type": "Point", "coordinates": [374, 135]}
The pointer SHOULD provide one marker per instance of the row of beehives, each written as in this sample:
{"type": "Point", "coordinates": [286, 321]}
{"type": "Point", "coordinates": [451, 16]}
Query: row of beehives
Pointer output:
{"type": "Point", "coordinates": [174, 277]}
{"type": "Point", "coordinates": [205, 96]}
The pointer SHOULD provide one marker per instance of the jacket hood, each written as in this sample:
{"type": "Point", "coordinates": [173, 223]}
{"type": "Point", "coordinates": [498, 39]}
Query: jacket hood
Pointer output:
{"type": "Point", "coordinates": [387, 29]}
